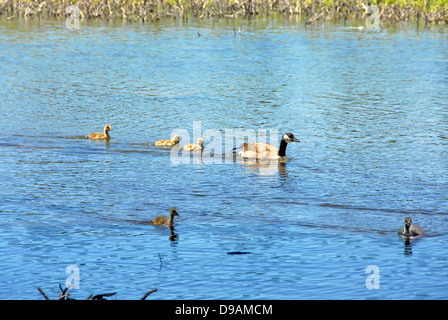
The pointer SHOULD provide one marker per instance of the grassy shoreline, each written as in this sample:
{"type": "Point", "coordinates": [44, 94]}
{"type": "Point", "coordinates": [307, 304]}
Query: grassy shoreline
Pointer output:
{"type": "Point", "coordinates": [428, 11]}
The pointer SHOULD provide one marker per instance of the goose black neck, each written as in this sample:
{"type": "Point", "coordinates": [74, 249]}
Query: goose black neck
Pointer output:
{"type": "Point", "coordinates": [406, 231]}
{"type": "Point", "coordinates": [282, 150]}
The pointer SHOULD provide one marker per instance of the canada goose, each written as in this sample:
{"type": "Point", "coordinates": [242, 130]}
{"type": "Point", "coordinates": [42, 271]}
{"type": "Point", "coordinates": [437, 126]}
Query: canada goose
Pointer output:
{"type": "Point", "coordinates": [164, 220]}
{"type": "Point", "coordinates": [98, 135]}
{"type": "Point", "coordinates": [409, 229]}
{"type": "Point", "coordinates": [192, 146]}
{"type": "Point", "coordinates": [261, 150]}
{"type": "Point", "coordinates": [170, 143]}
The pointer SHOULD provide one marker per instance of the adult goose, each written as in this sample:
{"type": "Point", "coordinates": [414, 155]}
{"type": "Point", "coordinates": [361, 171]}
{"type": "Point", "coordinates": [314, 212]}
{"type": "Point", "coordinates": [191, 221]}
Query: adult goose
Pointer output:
{"type": "Point", "coordinates": [262, 150]}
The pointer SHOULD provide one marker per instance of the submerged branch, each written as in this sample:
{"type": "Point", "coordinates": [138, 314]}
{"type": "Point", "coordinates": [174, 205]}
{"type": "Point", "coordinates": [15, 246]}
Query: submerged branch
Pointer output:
{"type": "Point", "coordinates": [148, 293]}
{"type": "Point", "coordinates": [43, 293]}
{"type": "Point", "coordinates": [64, 295]}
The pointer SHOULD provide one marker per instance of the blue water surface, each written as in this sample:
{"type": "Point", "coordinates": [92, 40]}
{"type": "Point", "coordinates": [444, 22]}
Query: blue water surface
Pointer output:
{"type": "Point", "coordinates": [369, 106]}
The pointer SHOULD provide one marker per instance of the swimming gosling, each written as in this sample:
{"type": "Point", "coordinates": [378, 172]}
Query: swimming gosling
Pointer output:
{"type": "Point", "coordinates": [98, 135]}
{"type": "Point", "coordinates": [409, 229]}
{"type": "Point", "coordinates": [164, 220]}
{"type": "Point", "coordinates": [192, 146]}
{"type": "Point", "coordinates": [261, 150]}
{"type": "Point", "coordinates": [169, 143]}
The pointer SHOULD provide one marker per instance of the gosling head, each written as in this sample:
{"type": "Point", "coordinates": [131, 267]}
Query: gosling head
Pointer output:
{"type": "Point", "coordinates": [107, 127]}
{"type": "Point", "coordinates": [289, 137]}
{"type": "Point", "coordinates": [201, 142]}
{"type": "Point", "coordinates": [407, 222]}
{"type": "Point", "coordinates": [176, 139]}
{"type": "Point", "coordinates": [174, 212]}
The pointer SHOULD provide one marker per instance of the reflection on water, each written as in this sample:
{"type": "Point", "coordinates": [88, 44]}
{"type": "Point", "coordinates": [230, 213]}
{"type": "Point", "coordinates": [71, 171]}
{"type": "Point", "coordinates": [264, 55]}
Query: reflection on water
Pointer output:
{"type": "Point", "coordinates": [409, 242]}
{"type": "Point", "coordinates": [407, 247]}
{"type": "Point", "coordinates": [370, 109]}
{"type": "Point", "coordinates": [263, 168]}
{"type": "Point", "coordinates": [173, 234]}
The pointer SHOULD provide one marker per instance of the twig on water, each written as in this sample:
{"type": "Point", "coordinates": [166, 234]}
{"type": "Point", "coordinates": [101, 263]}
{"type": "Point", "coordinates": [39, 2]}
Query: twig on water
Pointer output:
{"type": "Point", "coordinates": [43, 293]}
{"type": "Point", "coordinates": [64, 295]}
{"type": "Point", "coordinates": [148, 293]}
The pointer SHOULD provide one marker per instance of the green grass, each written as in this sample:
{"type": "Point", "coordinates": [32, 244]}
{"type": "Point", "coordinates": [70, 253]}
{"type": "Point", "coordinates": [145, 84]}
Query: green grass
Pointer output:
{"type": "Point", "coordinates": [423, 5]}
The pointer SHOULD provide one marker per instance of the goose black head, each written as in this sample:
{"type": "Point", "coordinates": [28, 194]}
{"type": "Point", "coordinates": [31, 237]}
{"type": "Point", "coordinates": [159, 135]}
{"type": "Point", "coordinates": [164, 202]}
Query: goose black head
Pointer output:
{"type": "Point", "coordinates": [289, 137]}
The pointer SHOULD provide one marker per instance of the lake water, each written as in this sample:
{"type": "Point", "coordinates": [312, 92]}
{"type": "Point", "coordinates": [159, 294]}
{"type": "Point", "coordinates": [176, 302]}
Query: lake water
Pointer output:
{"type": "Point", "coordinates": [369, 106]}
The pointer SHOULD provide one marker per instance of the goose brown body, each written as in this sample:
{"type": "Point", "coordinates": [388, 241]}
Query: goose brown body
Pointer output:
{"type": "Point", "coordinates": [259, 150]}
{"type": "Point", "coordinates": [99, 135]}
{"type": "Point", "coordinates": [262, 150]}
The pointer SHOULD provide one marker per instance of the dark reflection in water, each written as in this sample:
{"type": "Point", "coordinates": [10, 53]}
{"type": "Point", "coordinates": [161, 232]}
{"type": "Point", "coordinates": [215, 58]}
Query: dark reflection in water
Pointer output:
{"type": "Point", "coordinates": [407, 247]}
{"type": "Point", "coordinates": [409, 243]}
{"type": "Point", "coordinates": [173, 235]}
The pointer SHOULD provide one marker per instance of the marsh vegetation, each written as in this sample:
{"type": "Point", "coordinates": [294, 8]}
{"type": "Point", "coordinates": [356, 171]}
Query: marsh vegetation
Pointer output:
{"type": "Point", "coordinates": [429, 11]}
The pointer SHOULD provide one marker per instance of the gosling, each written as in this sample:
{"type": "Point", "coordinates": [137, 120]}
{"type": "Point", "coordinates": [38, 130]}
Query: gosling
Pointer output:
{"type": "Point", "coordinates": [192, 146]}
{"type": "Point", "coordinates": [98, 135]}
{"type": "Point", "coordinates": [164, 220]}
{"type": "Point", "coordinates": [409, 229]}
{"type": "Point", "coordinates": [261, 150]}
{"type": "Point", "coordinates": [168, 143]}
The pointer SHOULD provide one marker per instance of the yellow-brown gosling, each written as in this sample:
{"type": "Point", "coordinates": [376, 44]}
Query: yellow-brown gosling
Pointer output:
{"type": "Point", "coordinates": [192, 146]}
{"type": "Point", "coordinates": [169, 143]}
{"type": "Point", "coordinates": [261, 150]}
{"type": "Point", "coordinates": [409, 229]}
{"type": "Point", "coordinates": [164, 220]}
{"type": "Point", "coordinates": [98, 135]}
